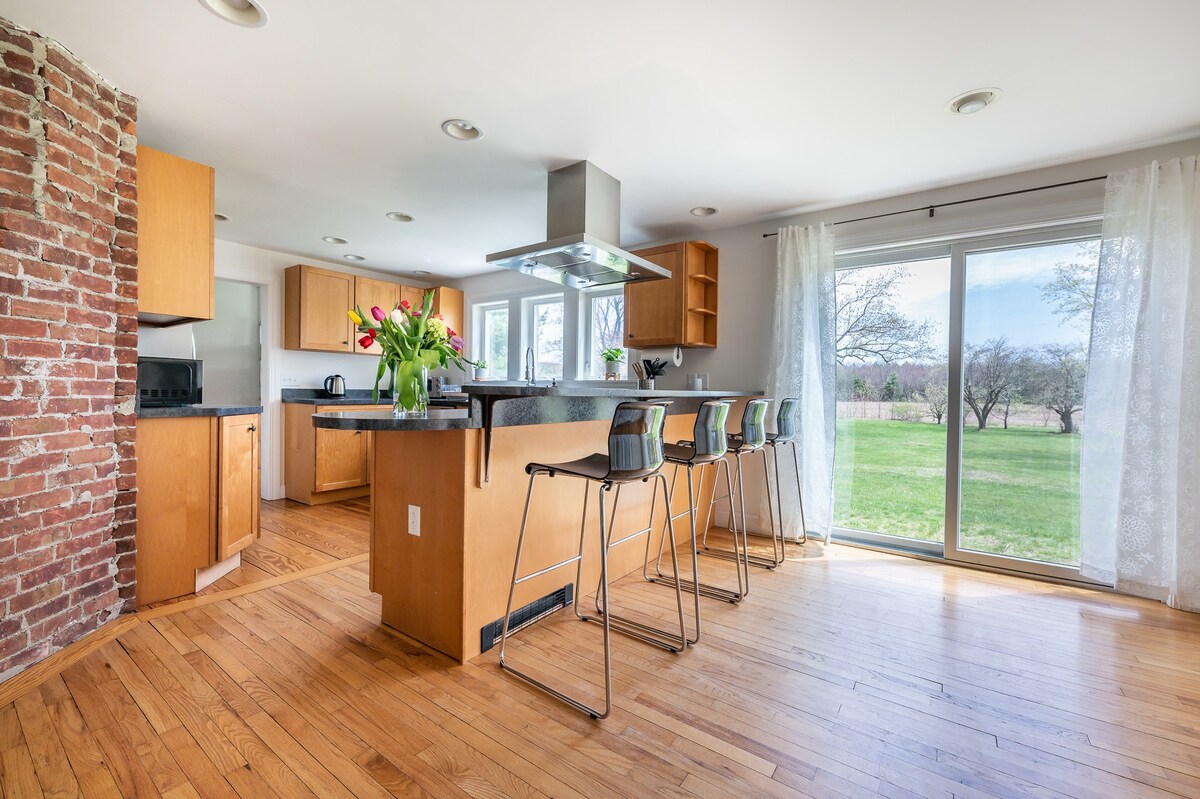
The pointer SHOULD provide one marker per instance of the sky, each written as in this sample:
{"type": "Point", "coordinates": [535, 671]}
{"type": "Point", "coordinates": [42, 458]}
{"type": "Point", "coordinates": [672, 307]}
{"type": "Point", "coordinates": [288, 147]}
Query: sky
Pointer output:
{"type": "Point", "coordinates": [1004, 297]}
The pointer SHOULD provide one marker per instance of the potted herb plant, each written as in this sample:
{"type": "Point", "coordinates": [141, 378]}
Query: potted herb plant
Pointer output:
{"type": "Point", "coordinates": [480, 368]}
{"type": "Point", "coordinates": [613, 357]}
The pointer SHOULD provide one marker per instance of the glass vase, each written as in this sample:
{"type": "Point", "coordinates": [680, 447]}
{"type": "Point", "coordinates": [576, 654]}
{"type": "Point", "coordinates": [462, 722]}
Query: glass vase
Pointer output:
{"type": "Point", "coordinates": [410, 390]}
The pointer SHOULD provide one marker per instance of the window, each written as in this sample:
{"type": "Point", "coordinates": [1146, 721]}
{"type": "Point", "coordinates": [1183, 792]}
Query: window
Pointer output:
{"type": "Point", "coordinates": [491, 337]}
{"type": "Point", "coordinates": [606, 329]}
{"type": "Point", "coordinates": [546, 336]}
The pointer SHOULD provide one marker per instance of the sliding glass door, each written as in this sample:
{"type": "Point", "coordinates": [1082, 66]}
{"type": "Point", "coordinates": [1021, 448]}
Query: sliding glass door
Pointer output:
{"type": "Point", "coordinates": [1022, 329]}
{"type": "Point", "coordinates": [960, 385]}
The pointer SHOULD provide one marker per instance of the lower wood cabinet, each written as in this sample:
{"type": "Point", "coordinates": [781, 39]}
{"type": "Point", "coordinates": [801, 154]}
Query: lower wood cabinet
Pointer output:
{"type": "Point", "coordinates": [197, 498]}
{"type": "Point", "coordinates": [324, 465]}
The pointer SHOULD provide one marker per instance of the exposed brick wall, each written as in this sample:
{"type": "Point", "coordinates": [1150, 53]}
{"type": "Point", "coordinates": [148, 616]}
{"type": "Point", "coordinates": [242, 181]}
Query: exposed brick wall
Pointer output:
{"type": "Point", "coordinates": [68, 333]}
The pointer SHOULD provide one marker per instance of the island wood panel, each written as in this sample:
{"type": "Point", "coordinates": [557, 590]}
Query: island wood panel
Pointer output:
{"type": "Point", "coordinates": [443, 586]}
{"type": "Point", "coordinates": [176, 504]}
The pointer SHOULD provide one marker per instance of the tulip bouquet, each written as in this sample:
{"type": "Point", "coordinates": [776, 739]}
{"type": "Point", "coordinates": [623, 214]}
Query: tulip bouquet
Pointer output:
{"type": "Point", "coordinates": [412, 341]}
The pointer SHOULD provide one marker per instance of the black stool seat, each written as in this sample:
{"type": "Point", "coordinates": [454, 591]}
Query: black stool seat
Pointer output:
{"type": "Point", "coordinates": [593, 467]}
{"type": "Point", "coordinates": [685, 452]}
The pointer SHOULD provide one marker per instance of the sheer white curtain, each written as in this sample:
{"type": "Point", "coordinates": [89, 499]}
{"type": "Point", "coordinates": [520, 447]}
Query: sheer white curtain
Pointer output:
{"type": "Point", "coordinates": [802, 365]}
{"type": "Point", "coordinates": [1140, 470]}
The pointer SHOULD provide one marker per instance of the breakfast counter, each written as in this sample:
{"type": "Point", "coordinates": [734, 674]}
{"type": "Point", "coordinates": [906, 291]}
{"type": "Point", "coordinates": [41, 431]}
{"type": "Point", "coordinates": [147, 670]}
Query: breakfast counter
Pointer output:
{"type": "Point", "coordinates": [445, 580]}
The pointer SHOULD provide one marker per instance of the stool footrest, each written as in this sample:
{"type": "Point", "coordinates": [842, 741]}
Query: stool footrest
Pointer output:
{"type": "Point", "coordinates": [643, 632]}
{"type": "Point", "coordinates": [540, 572]}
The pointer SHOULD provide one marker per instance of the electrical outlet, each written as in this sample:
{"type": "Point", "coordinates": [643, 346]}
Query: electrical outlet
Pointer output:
{"type": "Point", "coordinates": [289, 380]}
{"type": "Point", "coordinates": [414, 520]}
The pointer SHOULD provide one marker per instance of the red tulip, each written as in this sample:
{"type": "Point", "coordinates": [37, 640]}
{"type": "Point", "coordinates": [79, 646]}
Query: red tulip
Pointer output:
{"type": "Point", "coordinates": [365, 341]}
{"type": "Point", "coordinates": [372, 332]}
{"type": "Point", "coordinates": [405, 304]}
{"type": "Point", "coordinates": [378, 314]}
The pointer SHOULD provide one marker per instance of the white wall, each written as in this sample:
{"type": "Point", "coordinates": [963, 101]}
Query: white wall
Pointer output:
{"type": "Point", "coordinates": [747, 266]}
{"type": "Point", "coordinates": [280, 367]}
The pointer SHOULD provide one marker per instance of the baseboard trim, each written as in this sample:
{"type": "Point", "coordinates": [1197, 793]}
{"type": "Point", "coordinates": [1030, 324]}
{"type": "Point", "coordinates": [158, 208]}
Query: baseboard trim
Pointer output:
{"type": "Point", "coordinates": [24, 681]}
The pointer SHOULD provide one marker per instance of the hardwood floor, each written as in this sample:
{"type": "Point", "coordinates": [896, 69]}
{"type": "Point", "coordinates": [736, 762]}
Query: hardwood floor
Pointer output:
{"type": "Point", "coordinates": [847, 673]}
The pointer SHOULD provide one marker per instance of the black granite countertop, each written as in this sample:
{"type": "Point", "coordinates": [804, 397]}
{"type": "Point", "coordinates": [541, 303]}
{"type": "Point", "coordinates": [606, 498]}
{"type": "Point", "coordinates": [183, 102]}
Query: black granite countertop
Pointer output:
{"type": "Point", "coordinates": [354, 396]}
{"type": "Point", "coordinates": [184, 411]}
{"type": "Point", "coordinates": [438, 419]}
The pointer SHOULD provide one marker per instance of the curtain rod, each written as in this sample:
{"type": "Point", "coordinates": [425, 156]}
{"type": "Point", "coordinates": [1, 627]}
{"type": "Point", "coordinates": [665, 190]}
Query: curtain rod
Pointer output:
{"type": "Point", "coordinates": [932, 208]}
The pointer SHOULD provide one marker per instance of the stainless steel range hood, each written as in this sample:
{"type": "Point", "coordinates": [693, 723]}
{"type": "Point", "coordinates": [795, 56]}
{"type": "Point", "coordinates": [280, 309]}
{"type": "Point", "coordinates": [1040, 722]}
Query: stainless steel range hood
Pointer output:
{"type": "Point", "coordinates": [583, 217]}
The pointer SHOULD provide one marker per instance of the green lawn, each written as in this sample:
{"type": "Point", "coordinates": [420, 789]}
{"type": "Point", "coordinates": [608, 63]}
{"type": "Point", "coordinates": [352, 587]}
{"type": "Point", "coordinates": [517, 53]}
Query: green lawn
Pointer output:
{"type": "Point", "coordinates": [1020, 493]}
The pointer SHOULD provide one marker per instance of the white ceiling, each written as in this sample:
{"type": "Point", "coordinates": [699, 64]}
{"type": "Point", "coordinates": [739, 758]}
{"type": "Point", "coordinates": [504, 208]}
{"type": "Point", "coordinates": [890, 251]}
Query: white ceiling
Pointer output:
{"type": "Point", "coordinates": [329, 117]}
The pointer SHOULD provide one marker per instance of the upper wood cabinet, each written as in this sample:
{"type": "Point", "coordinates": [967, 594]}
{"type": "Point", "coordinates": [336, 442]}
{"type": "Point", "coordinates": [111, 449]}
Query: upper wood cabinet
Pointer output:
{"type": "Point", "coordinates": [449, 303]}
{"type": "Point", "coordinates": [175, 239]}
{"type": "Point", "coordinates": [368, 293]}
{"type": "Point", "coordinates": [681, 310]}
{"type": "Point", "coordinates": [316, 301]}
{"type": "Point", "coordinates": [315, 304]}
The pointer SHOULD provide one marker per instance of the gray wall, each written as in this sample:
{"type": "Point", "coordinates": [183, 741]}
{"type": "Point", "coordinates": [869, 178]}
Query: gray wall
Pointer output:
{"type": "Point", "coordinates": [230, 346]}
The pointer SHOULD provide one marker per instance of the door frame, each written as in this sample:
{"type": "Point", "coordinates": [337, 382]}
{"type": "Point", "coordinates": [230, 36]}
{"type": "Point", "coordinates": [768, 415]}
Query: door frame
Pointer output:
{"type": "Point", "coordinates": [954, 412]}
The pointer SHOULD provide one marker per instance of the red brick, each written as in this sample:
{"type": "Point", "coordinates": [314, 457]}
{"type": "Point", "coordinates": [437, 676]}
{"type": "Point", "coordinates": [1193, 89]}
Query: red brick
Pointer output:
{"type": "Point", "coordinates": [38, 426]}
{"type": "Point", "coordinates": [18, 82]}
{"type": "Point", "coordinates": [33, 349]}
{"type": "Point", "coordinates": [21, 142]}
{"type": "Point", "coordinates": [46, 499]}
{"type": "Point", "coordinates": [65, 64]}
{"type": "Point", "coordinates": [30, 328]}
{"type": "Point", "coordinates": [89, 455]}
{"type": "Point", "coordinates": [37, 310]}
{"type": "Point", "coordinates": [11, 241]}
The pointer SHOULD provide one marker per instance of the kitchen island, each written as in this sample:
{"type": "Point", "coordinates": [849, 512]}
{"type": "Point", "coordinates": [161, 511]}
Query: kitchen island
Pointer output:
{"type": "Point", "coordinates": [445, 579]}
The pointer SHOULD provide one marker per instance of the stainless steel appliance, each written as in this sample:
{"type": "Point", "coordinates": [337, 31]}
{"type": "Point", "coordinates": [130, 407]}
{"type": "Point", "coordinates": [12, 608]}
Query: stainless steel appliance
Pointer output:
{"type": "Point", "coordinates": [335, 386]}
{"type": "Point", "coordinates": [583, 219]}
{"type": "Point", "coordinates": [169, 382]}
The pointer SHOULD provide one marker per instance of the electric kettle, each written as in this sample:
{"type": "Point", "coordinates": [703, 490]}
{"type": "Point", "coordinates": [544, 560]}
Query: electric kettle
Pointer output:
{"type": "Point", "coordinates": [335, 386]}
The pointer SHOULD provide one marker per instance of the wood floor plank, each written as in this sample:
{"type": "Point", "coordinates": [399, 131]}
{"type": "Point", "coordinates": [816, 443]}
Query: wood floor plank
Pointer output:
{"type": "Point", "coordinates": [846, 674]}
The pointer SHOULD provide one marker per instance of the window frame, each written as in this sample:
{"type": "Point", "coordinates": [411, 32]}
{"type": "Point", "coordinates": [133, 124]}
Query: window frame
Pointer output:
{"type": "Point", "coordinates": [479, 312]}
{"type": "Point", "coordinates": [589, 344]}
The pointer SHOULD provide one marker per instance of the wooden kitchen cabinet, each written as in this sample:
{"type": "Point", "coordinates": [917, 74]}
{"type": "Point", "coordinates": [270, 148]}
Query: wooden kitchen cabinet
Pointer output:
{"type": "Point", "coordinates": [369, 292]}
{"type": "Point", "coordinates": [237, 495]}
{"type": "Point", "coordinates": [315, 304]}
{"type": "Point", "coordinates": [323, 465]}
{"type": "Point", "coordinates": [197, 498]}
{"type": "Point", "coordinates": [175, 239]}
{"type": "Point", "coordinates": [681, 310]}
{"type": "Point", "coordinates": [449, 303]}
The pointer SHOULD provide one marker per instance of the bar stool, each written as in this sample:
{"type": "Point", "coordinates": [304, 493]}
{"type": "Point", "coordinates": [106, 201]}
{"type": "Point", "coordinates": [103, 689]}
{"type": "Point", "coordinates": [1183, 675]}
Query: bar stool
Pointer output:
{"type": "Point", "coordinates": [785, 434]}
{"type": "Point", "coordinates": [752, 439]}
{"type": "Point", "coordinates": [635, 454]}
{"type": "Point", "coordinates": [707, 448]}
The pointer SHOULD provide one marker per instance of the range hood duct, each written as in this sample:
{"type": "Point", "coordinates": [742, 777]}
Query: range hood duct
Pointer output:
{"type": "Point", "coordinates": [583, 214]}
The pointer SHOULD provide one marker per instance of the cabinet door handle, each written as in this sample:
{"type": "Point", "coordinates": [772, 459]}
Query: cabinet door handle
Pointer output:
{"type": "Point", "coordinates": [251, 429]}
{"type": "Point", "coordinates": [345, 342]}
{"type": "Point", "coordinates": [358, 432]}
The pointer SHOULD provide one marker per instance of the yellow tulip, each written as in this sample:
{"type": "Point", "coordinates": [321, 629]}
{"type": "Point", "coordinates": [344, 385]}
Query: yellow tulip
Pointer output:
{"type": "Point", "coordinates": [354, 317]}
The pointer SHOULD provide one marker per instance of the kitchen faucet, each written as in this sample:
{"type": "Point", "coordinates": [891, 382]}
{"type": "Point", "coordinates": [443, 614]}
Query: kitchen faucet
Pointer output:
{"type": "Point", "coordinates": [529, 367]}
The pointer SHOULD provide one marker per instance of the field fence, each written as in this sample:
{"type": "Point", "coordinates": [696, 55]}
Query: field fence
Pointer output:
{"type": "Point", "coordinates": [1019, 415]}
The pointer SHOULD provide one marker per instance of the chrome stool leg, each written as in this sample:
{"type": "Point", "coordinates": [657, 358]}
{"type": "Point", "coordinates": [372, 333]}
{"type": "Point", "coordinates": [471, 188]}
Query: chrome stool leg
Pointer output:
{"type": "Point", "coordinates": [751, 560]}
{"type": "Point", "coordinates": [799, 494]}
{"type": "Point", "coordinates": [694, 585]}
{"type": "Point", "coordinates": [665, 639]}
{"type": "Point", "coordinates": [518, 578]}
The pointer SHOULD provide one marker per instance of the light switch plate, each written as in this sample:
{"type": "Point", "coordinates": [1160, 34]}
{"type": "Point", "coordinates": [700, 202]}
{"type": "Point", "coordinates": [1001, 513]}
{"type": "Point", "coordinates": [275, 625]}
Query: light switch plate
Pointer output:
{"type": "Point", "coordinates": [414, 520]}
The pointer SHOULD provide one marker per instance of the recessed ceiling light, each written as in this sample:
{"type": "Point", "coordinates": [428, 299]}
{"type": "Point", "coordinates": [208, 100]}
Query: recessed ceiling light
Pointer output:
{"type": "Point", "coordinates": [247, 13]}
{"type": "Point", "coordinates": [352, 257]}
{"type": "Point", "coordinates": [397, 216]}
{"type": "Point", "coordinates": [333, 240]}
{"type": "Point", "coordinates": [703, 210]}
{"type": "Point", "coordinates": [461, 129]}
{"type": "Point", "coordinates": [422, 272]}
{"type": "Point", "coordinates": [973, 101]}
{"type": "Point", "coordinates": [220, 217]}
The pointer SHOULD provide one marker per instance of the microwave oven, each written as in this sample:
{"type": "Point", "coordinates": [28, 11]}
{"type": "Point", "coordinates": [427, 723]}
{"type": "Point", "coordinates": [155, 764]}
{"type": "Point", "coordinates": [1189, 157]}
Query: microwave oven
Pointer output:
{"type": "Point", "coordinates": [169, 382]}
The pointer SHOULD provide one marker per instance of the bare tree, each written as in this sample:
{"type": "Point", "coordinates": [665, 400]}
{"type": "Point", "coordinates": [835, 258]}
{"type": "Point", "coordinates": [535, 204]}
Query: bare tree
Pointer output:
{"type": "Point", "coordinates": [1060, 382]}
{"type": "Point", "coordinates": [869, 326]}
{"type": "Point", "coordinates": [937, 400]}
{"type": "Point", "coordinates": [989, 371]}
{"type": "Point", "coordinates": [1073, 289]}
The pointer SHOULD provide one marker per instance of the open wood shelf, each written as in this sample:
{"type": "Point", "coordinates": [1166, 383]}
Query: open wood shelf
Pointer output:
{"type": "Point", "coordinates": [703, 278]}
{"type": "Point", "coordinates": [702, 311]}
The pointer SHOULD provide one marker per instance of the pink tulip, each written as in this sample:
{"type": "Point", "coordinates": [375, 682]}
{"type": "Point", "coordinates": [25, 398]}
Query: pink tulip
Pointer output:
{"type": "Point", "coordinates": [457, 343]}
{"type": "Point", "coordinates": [378, 314]}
